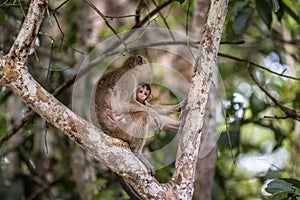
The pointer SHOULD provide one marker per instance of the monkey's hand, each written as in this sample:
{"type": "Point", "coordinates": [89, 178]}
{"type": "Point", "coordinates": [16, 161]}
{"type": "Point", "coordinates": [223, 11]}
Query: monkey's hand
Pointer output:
{"type": "Point", "coordinates": [182, 105]}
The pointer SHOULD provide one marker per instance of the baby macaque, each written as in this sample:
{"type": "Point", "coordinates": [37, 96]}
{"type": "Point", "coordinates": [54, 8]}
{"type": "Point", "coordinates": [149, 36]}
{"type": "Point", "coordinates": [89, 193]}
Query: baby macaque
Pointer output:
{"type": "Point", "coordinates": [143, 93]}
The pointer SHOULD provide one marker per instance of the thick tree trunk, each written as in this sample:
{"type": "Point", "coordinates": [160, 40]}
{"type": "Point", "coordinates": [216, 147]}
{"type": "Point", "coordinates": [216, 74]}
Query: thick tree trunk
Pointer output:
{"type": "Point", "coordinates": [198, 96]}
{"type": "Point", "coordinates": [205, 169]}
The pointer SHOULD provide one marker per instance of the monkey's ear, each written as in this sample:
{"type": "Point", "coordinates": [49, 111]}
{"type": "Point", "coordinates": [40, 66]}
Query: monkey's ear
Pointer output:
{"type": "Point", "coordinates": [139, 60]}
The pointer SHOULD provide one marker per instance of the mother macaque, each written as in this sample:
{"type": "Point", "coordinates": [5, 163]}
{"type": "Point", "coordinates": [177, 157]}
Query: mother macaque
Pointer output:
{"type": "Point", "coordinates": [115, 94]}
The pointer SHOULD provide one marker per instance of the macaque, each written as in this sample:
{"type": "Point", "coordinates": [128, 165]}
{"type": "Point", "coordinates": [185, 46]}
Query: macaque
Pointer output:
{"type": "Point", "coordinates": [123, 113]}
{"type": "Point", "coordinates": [143, 93]}
{"type": "Point", "coordinates": [115, 95]}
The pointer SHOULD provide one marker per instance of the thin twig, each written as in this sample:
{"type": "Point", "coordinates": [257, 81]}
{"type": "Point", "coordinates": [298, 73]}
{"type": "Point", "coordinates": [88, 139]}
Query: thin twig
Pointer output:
{"type": "Point", "coordinates": [151, 14]}
{"type": "Point", "coordinates": [119, 17]}
{"type": "Point", "coordinates": [105, 20]}
{"type": "Point", "coordinates": [257, 65]}
{"type": "Point", "coordinates": [61, 5]}
{"type": "Point", "coordinates": [164, 20]}
{"type": "Point", "coordinates": [44, 188]}
{"type": "Point", "coordinates": [59, 28]}
{"type": "Point", "coordinates": [289, 112]}
{"type": "Point", "coordinates": [17, 127]}
{"type": "Point", "coordinates": [21, 7]}
{"type": "Point", "coordinates": [57, 22]}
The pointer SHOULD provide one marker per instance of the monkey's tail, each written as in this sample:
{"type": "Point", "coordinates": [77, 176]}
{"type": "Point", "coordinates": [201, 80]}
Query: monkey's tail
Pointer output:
{"type": "Point", "coordinates": [128, 188]}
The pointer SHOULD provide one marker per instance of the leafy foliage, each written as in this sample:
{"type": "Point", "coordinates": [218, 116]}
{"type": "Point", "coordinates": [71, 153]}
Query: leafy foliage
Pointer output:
{"type": "Point", "coordinates": [264, 9]}
{"type": "Point", "coordinates": [283, 189]}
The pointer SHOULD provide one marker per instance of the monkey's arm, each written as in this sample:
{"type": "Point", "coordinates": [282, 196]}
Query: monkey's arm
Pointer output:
{"type": "Point", "coordinates": [165, 122]}
{"type": "Point", "coordinates": [158, 119]}
{"type": "Point", "coordinates": [170, 124]}
{"type": "Point", "coordinates": [168, 109]}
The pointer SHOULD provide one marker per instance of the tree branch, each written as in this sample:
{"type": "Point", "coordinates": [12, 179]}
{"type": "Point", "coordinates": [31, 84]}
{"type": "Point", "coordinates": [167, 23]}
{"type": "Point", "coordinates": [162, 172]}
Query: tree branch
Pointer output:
{"type": "Point", "coordinates": [20, 48]}
{"type": "Point", "coordinates": [289, 112]}
{"type": "Point", "coordinates": [112, 152]}
{"type": "Point", "coordinates": [201, 79]}
{"type": "Point", "coordinates": [257, 65]}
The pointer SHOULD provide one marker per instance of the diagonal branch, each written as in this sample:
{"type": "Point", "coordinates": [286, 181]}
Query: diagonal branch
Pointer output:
{"type": "Point", "coordinates": [289, 112]}
{"type": "Point", "coordinates": [257, 65]}
{"type": "Point", "coordinates": [112, 152]}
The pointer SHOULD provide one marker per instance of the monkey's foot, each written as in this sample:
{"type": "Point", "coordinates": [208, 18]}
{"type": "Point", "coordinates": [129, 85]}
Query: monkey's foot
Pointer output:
{"type": "Point", "coordinates": [112, 115]}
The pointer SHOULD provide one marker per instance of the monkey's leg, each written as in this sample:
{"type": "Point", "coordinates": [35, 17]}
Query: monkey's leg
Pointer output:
{"type": "Point", "coordinates": [140, 128]}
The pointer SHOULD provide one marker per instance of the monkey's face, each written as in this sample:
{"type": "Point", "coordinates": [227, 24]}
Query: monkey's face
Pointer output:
{"type": "Point", "coordinates": [142, 94]}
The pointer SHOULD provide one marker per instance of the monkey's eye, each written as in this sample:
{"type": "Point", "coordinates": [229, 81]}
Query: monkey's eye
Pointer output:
{"type": "Point", "coordinates": [143, 92]}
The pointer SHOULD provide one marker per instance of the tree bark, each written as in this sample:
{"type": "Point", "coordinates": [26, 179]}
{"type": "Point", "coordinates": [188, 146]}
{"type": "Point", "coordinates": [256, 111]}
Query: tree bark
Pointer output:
{"type": "Point", "coordinates": [201, 78]}
{"type": "Point", "coordinates": [205, 169]}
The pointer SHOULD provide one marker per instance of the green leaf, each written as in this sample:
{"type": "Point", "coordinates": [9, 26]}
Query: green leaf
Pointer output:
{"type": "Point", "coordinates": [280, 12]}
{"type": "Point", "coordinates": [264, 9]}
{"type": "Point", "coordinates": [297, 192]}
{"type": "Point", "coordinates": [280, 189]}
{"type": "Point", "coordinates": [257, 105]}
{"type": "Point", "coordinates": [2, 17]}
{"type": "Point", "coordinates": [293, 181]}
{"type": "Point", "coordinates": [242, 20]}
{"type": "Point", "coordinates": [234, 136]}
{"type": "Point", "coordinates": [281, 195]}
{"type": "Point", "coordinates": [276, 5]}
